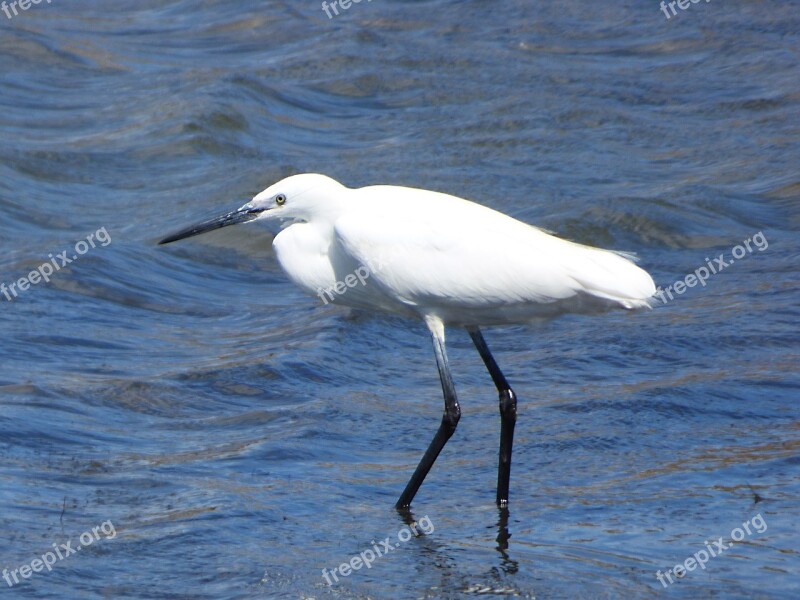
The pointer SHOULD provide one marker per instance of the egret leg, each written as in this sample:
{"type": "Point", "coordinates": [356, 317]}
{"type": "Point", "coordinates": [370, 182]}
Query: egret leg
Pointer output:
{"type": "Point", "coordinates": [508, 415]}
{"type": "Point", "coordinates": [452, 413]}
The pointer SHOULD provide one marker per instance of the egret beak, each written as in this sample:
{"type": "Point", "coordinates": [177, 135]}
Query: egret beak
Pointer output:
{"type": "Point", "coordinates": [242, 215]}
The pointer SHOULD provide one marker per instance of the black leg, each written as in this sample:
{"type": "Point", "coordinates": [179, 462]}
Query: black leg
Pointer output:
{"type": "Point", "coordinates": [452, 413]}
{"type": "Point", "coordinates": [508, 415]}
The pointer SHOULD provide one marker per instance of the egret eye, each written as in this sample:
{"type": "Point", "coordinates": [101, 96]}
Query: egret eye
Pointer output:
{"type": "Point", "coordinates": [280, 199]}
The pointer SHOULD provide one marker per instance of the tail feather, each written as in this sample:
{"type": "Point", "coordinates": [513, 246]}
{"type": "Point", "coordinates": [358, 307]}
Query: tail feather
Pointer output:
{"type": "Point", "coordinates": [615, 277]}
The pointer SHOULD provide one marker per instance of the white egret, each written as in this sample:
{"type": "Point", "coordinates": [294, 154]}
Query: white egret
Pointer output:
{"type": "Point", "coordinates": [439, 258]}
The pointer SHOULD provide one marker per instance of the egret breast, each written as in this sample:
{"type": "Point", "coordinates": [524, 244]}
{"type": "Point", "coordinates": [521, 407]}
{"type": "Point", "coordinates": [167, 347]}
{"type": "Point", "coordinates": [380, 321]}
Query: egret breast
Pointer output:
{"type": "Point", "coordinates": [302, 251]}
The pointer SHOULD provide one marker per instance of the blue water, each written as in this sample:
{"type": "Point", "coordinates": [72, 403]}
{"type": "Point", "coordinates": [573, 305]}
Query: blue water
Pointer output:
{"type": "Point", "coordinates": [239, 437]}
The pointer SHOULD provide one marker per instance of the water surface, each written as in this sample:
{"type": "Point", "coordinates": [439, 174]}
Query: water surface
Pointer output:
{"type": "Point", "coordinates": [242, 437]}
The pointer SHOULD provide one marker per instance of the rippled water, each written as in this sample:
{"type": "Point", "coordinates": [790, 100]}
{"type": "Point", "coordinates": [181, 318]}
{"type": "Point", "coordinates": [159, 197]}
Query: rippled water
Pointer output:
{"type": "Point", "coordinates": [240, 437]}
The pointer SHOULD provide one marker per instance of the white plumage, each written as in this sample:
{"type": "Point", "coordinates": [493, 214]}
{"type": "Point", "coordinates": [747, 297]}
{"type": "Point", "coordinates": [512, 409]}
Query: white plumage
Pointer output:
{"type": "Point", "coordinates": [440, 258]}
{"type": "Point", "coordinates": [435, 254]}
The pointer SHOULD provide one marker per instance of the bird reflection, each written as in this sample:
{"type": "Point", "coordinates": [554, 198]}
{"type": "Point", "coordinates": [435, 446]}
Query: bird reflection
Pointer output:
{"type": "Point", "coordinates": [509, 565]}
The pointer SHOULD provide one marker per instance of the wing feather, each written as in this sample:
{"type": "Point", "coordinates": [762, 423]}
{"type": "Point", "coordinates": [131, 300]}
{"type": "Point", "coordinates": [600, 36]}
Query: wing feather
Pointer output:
{"type": "Point", "coordinates": [445, 251]}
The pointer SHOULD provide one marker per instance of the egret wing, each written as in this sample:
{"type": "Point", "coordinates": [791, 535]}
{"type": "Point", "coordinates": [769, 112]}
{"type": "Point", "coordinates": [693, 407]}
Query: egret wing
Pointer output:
{"type": "Point", "coordinates": [420, 261]}
{"type": "Point", "coordinates": [450, 252]}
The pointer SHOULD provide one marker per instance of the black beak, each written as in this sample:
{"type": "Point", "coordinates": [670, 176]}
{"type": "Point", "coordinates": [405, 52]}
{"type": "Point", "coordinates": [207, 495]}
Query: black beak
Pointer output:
{"type": "Point", "coordinates": [243, 215]}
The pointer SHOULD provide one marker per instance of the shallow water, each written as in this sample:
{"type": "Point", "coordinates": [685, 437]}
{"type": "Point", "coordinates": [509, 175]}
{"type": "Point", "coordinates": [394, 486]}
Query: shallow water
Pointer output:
{"type": "Point", "coordinates": [239, 437]}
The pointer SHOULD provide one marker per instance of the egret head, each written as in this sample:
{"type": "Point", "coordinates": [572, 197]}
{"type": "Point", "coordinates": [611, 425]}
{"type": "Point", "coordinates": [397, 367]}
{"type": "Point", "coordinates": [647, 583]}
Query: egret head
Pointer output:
{"type": "Point", "coordinates": [297, 198]}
